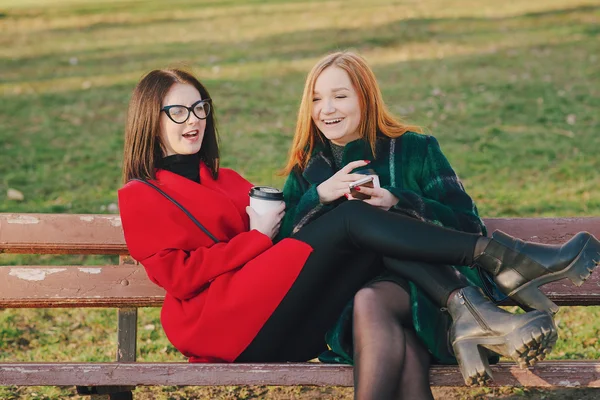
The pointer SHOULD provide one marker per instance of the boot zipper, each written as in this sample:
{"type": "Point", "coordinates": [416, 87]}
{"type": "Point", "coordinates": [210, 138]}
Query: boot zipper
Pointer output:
{"type": "Point", "coordinates": [474, 312]}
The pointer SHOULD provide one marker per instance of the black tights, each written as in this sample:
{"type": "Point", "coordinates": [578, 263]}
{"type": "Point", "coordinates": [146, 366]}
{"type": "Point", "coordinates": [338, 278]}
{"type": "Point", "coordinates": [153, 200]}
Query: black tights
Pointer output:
{"type": "Point", "coordinates": [390, 361]}
{"type": "Point", "coordinates": [348, 243]}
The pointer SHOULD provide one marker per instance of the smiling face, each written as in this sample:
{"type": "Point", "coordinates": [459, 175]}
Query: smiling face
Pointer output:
{"type": "Point", "coordinates": [336, 108]}
{"type": "Point", "coordinates": [183, 138]}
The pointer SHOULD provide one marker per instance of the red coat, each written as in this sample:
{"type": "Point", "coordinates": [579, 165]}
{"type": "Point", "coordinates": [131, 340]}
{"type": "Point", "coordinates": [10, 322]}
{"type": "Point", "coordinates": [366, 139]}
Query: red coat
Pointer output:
{"type": "Point", "coordinates": [218, 295]}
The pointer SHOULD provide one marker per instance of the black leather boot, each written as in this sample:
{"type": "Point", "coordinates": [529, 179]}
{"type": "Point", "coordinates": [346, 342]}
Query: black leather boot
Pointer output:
{"type": "Point", "coordinates": [520, 267]}
{"type": "Point", "coordinates": [479, 326]}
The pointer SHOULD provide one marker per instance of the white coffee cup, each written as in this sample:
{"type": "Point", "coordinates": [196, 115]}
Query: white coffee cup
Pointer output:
{"type": "Point", "coordinates": [265, 198]}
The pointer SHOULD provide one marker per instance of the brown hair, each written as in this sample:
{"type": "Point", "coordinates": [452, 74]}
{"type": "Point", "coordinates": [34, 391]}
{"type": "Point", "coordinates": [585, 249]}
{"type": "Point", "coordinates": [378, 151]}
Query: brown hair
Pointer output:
{"type": "Point", "coordinates": [143, 146]}
{"type": "Point", "coordinates": [375, 116]}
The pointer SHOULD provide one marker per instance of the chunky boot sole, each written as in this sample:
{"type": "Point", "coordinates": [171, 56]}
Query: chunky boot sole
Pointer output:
{"type": "Point", "coordinates": [525, 345]}
{"type": "Point", "coordinates": [473, 363]}
{"type": "Point", "coordinates": [537, 343]}
{"type": "Point", "coordinates": [529, 294]}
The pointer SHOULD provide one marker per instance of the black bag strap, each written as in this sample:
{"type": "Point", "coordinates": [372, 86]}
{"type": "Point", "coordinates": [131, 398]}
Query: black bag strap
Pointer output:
{"type": "Point", "coordinates": [182, 208]}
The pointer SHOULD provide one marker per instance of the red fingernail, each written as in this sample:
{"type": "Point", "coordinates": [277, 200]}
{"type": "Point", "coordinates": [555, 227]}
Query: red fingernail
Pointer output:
{"type": "Point", "coordinates": [346, 195]}
{"type": "Point", "coordinates": [367, 161]}
{"type": "Point", "coordinates": [357, 189]}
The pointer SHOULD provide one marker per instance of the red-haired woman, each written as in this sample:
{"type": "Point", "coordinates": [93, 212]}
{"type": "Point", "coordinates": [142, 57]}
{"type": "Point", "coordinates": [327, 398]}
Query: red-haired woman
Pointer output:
{"type": "Point", "coordinates": [234, 296]}
{"type": "Point", "coordinates": [386, 330]}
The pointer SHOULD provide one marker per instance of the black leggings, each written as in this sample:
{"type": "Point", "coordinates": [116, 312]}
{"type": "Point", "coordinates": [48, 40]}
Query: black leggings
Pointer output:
{"type": "Point", "coordinates": [348, 245]}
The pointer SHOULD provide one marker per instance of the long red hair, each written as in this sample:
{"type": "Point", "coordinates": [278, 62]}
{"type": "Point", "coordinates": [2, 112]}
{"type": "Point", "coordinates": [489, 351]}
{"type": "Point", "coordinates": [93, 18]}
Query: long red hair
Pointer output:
{"type": "Point", "coordinates": [374, 114]}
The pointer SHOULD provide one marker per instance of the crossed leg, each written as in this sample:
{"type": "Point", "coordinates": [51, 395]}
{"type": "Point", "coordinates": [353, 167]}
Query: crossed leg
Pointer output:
{"type": "Point", "coordinates": [390, 361]}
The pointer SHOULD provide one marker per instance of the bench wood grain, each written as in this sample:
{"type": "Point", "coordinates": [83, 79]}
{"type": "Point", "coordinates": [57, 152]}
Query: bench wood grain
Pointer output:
{"type": "Point", "coordinates": [544, 374]}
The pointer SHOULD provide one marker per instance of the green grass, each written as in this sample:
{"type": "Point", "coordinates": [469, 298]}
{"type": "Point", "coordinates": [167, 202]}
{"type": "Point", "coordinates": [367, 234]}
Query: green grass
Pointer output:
{"type": "Point", "coordinates": [511, 90]}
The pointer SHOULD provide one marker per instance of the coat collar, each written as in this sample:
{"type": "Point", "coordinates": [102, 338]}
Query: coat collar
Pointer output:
{"type": "Point", "coordinates": [169, 177]}
{"type": "Point", "coordinates": [189, 187]}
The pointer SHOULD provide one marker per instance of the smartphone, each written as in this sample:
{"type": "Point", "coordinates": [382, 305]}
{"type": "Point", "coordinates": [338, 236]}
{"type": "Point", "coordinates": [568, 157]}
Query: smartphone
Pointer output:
{"type": "Point", "coordinates": [361, 181]}
{"type": "Point", "coordinates": [367, 181]}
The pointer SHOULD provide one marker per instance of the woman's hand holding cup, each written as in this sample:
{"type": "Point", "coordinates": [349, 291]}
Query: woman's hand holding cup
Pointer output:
{"type": "Point", "coordinates": [339, 184]}
{"type": "Point", "coordinates": [266, 210]}
{"type": "Point", "coordinates": [268, 222]}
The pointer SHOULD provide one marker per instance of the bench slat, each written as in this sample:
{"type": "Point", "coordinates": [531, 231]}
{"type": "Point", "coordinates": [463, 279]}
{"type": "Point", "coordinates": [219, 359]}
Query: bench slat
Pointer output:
{"type": "Point", "coordinates": [128, 286]}
{"type": "Point", "coordinates": [544, 230]}
{"type": "Point", "coordinates": [61, 234]}
{"type": "Point", "coordinates": [102, 234]}
{"type": "Point", "coordinates": [77, 286]}
{"type": "Point", "coordinates": [544, 374]}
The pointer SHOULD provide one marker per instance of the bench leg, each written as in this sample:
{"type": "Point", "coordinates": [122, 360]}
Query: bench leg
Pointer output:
{"type": "Point", "coordinates": [126, 352]}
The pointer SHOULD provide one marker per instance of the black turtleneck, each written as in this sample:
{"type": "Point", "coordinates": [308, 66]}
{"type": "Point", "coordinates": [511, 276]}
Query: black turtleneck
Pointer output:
{"type": "Point", "coordinates": [186, 165]}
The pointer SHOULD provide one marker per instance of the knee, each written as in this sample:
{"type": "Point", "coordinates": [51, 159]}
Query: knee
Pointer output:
{"type": "Point", "coordinates": [366, 300]}
{"type": "Point", "coordinates": [383, 300]}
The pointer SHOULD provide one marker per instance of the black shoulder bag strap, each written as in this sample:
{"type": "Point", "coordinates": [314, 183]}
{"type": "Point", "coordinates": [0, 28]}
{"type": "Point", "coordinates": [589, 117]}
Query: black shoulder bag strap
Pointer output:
{"type": "Point", "coordinates": [198, 224]}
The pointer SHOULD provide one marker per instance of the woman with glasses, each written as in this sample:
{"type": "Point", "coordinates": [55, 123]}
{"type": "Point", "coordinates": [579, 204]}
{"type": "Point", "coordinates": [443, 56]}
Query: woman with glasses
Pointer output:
{"type": "Point", "coordinates": [234, 296]}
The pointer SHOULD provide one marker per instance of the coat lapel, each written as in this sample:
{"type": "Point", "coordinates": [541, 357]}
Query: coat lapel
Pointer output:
{"type": "Point", "coordinates": [320, 167]}
{"type": "Point", "coordinates": [233, 193]}
{"type": "Point", "coordinates": [205, 201]}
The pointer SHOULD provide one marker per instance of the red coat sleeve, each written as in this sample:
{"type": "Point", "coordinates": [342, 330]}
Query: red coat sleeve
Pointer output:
{"type": "Point", "coordinates": [175, 254]}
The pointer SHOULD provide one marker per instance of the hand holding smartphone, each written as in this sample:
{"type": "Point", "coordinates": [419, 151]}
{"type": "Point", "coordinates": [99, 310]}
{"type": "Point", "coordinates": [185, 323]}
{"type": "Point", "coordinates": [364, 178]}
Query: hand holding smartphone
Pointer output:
{"type": "Point", "coordinates": [367, 181]}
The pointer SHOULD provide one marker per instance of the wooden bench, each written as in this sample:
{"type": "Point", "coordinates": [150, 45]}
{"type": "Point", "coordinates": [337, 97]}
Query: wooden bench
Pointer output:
{"type": "Point", "coordinates": [126, 287]}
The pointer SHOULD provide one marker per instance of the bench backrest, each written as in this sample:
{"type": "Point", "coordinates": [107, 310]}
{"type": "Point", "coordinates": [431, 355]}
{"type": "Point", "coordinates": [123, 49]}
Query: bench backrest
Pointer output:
{"type": "Point", "coordinates": [126, 284]}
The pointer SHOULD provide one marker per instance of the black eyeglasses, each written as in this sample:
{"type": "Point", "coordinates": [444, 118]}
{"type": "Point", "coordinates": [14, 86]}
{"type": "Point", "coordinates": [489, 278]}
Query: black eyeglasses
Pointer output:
{"type": "Point", "coordinates": [179, 114]}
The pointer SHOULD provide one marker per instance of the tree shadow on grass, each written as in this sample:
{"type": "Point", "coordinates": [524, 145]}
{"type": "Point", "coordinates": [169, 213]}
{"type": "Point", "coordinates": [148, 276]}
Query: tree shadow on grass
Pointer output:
{"type": "Point", "coordinates": [477, 32]}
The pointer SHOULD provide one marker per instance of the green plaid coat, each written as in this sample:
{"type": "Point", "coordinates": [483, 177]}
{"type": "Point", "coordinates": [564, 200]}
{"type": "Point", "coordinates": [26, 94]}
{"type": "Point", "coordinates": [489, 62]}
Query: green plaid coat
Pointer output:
{"type": "Point", "coordinates": [415, 170]}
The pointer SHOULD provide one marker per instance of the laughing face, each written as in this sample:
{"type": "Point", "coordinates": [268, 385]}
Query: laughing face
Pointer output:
{"type": "Point", "coordinates": [336, 109]}
{"type": "Point", "coordinates": [185, 138]}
